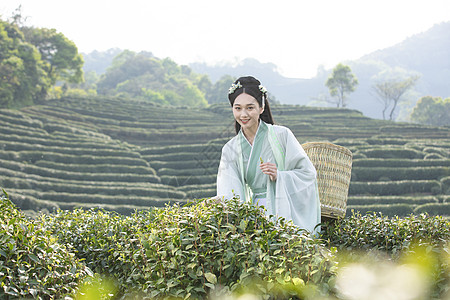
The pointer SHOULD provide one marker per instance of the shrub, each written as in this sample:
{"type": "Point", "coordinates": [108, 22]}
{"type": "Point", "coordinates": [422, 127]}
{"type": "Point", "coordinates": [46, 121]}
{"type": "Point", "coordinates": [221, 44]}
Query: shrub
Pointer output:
{"type": "Point", "coordinates": [404, 163]}
{"type": "Point", "coordinates": [385, 209]}
{"type": "Point", "coordinates": [179, 156]}
{"type": "Point", "coordinates": [445, 182]}
{"type": "Point", "coordinates": [104, 168]}
{"type": "Point", "coordinates": [433, 156]}
{"type": "Point", "coordinates": [93, 189]}
{"type": "Point", "coordinates": [182, 164]}
{"type": "Point", "coordinates": [32, 262]}
{"type": "Point", "coordinates": [28, 202]}
{"type": "Point", "coordinates": [34, 156]}
{"type": "Point", "coordinates": [387, 141]}
{"type": "Point", "coordinates": [25, 170]}
{"type": "Point", "coordinates": [424, 238]}
{"type": "Point", "coordinates": [192, 250]}
{"type": "Point", "coordinates": [195, 148]}
{"type": "Point", "coordinates": [13, 117]}
{"type": "Point", "coordinates": [419, 173]}
{"type": "Point", "coordinates": [386, 152]}
{"type": "Point", "coordinates": [368, 200]}
{"type": "Point", "coordinates": [74, 150]}
{"type": "Point", "coordinates": [201, 193]}
{"type": "Point", "coordinates": [187, 172]}
{"type": "Point", "coordinates": [435, 209]}
{"type": "Point", "coordinates": [394, 187]}
{"type": "Point", "coordinates": [373, 231]}
{"type": "Point", "coordinates": [182, 180]}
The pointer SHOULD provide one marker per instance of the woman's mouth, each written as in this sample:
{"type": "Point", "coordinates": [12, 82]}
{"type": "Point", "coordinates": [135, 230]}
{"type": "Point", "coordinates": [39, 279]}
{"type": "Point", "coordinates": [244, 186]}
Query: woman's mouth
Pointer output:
{"type": "Point", "coordinates": [244, 121]}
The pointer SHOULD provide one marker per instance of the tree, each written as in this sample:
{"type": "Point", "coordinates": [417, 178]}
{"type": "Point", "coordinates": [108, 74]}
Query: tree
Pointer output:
{"type": "Point", "coordinates": [389, 92]}
{"type": "Point", "coordinates": [63, 62]}
{"type": "Point", "coordinates": [432, 111]}
{"type": "Point", "coordinates": [163, 81]}
{"type": "Point", "coordinates": [341, 82]}
{"type": "Point", "coordinates": [22, 72]}
{"type": "Point", "coordinates": [219, 91]}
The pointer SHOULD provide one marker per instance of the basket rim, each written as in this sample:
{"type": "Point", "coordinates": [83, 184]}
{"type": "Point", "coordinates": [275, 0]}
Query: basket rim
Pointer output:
{"type": "Point", "coordinates": [328, 145]}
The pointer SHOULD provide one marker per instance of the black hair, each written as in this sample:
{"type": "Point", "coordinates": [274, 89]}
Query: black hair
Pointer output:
{"type": "Point", "coordinates": [251, 86]}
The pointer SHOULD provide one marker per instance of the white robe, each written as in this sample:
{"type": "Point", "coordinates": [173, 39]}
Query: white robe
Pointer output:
{"type": "Point", "coordinates": [294, 195]}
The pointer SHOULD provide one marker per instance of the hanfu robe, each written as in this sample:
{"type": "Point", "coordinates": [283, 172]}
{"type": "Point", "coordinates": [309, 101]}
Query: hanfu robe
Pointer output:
{"type": "Point", "coordinates": [293, 195]}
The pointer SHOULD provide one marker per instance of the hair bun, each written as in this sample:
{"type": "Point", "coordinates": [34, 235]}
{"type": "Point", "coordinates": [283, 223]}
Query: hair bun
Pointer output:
{"type": "Point", "coordinates": [248, 81]}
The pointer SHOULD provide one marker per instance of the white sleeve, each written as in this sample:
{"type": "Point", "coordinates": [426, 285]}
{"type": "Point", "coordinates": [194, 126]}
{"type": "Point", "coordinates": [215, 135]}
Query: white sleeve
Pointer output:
{"type": "Point", "coordinates": [229, 182]}
{"type": "Point", "coordinates": [297, 196]}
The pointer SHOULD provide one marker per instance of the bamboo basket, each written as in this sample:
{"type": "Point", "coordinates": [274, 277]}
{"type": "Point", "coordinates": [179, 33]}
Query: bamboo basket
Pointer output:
{"type": "Point", "coordinates": [334, 167]}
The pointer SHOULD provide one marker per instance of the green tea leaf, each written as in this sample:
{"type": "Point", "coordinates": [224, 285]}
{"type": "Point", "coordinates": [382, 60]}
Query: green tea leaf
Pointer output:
{"type": "Point", "coordinates": [211, 277]}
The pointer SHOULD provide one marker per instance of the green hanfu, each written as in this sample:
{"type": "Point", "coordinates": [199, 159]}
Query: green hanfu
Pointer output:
{"type": "Point", "coordinates": [294, 194]}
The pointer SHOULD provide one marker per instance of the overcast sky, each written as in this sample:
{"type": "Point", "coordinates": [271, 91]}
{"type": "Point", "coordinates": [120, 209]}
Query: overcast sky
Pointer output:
{"type": "Point", "coordinates": [296, 35]}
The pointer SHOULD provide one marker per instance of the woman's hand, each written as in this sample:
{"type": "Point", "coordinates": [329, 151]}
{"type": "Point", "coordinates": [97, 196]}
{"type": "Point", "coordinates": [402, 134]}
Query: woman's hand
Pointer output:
{"type": "Point", "coordinates": [269, 169]}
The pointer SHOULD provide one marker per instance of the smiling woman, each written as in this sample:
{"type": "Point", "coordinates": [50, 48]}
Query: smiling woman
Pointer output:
{"type": "Point", "coordinates": [264, 163]}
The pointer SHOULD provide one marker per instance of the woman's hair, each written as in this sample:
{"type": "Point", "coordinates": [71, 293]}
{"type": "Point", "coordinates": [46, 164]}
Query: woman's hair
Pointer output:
{"type": "Point", "coordinates": [251, 86]}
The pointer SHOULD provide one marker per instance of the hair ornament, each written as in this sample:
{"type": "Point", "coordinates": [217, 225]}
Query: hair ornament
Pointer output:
{"type": "Point", "coordinates": [262, 89]}
{"type": "Point", "coordinates": [234, 87]}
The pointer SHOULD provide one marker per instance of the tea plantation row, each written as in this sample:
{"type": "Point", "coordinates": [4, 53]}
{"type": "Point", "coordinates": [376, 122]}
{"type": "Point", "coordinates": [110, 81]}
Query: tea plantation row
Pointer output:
{"type": "Point", "coordinates": [124, 154]}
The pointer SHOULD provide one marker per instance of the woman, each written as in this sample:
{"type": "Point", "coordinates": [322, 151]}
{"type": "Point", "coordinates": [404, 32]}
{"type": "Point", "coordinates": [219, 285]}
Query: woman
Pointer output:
{"type": "Point", "coordinates": [264, 163]}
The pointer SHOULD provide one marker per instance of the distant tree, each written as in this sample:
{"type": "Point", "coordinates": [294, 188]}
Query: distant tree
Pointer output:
{"type": "Point", "coordinates": [21, 68]}
{"type": "Point", "coordinates": [219, 90]}
{"type": "Point", "coordinates": [17, 17]}
{"type": "Point", "coordinates": [204, 84]}
{"type": "Point", "coordinates": [154, 97]}
{"type": "Point", "coordinates": [341, 82]}
{"type": "Point", "coordinates": [130, 73]}
{"type": "Point", "coordinates": [170, 67]}
{"type": "Point", "coordinates": [163, 81]}
{"type": "Point", "coordinates": [389, 92]}
{"type": "Point", "coordinates": [432, 111]}
{"type": "Point", "coordinates": [62, 61]}
{"type": "Point", "coordinates": [193, 96]}
{"type": "Point", "coordinates": [99, 61]}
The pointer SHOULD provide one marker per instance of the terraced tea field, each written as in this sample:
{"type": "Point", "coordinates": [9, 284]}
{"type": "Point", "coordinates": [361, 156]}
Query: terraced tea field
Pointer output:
{"type": "Point", "coordinates": [124, 155]}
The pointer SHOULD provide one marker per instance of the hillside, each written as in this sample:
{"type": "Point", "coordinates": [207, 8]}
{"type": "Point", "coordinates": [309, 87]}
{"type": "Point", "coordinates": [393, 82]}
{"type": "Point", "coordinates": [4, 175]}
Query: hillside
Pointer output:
{"type": "Point", "coordinates": [126, 154]}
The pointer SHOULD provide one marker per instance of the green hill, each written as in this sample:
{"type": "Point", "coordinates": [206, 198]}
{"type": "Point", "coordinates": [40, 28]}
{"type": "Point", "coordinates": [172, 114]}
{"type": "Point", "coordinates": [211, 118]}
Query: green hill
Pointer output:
{"type": "Point", "coordinates": [126, 154]}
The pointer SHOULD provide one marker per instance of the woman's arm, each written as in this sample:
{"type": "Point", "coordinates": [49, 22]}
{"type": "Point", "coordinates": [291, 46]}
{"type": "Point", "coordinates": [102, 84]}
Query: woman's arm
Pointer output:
{"type": "Point", "coordinates": [229, 182]}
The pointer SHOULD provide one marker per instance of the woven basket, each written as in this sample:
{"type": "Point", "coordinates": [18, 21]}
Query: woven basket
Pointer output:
{"type": "Point", "coordinates": [334, 167]}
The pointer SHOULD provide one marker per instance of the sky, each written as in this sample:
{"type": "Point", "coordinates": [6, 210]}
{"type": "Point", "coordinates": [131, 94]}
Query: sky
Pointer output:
{"type": "Point", "coordinates": [296, 35]}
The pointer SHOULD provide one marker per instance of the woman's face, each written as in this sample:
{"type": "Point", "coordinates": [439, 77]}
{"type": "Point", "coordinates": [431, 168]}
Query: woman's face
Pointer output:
{"type": "Point", "coordinates": [246, 111]}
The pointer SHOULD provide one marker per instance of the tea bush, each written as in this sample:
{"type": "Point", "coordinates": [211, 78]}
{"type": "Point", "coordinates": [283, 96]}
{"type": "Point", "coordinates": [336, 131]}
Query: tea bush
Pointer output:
{"type": "Point", "coordinates": [396, 173]}
{"type": "Point", "coordinates": [105, 168]}
{"type": "Point", "coordinates": [32, 261]}
{"type": "Point", "coordinates": [386, 152]}
{"type": "Point", "coordinates": [392, 188]}
{"type": "Point", "coordinates": [192, 250]}
{"type": "Point", "coordinates": [368, 200]}
{"type": "Point", "coordinates": [24, 171]}
{"type": "Point", "coordinates": [374, 231]}
{"type": "Point", "coordinates": [188, 179]}
{"type": "Point", "coordinates": [404, 163]}
{"type": "Point", "coordinates": [423, 237]}
{"type": "Point", "coordinates": [396, 209]}
{"type": "Point", "coordinates": [206, 248]}
{"type": "Point", "coordinates": [187, 165]}
{"type": "Point", "coordinates": [442, 209]}
{"type": "Point", "coordinates": [446, 185]}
